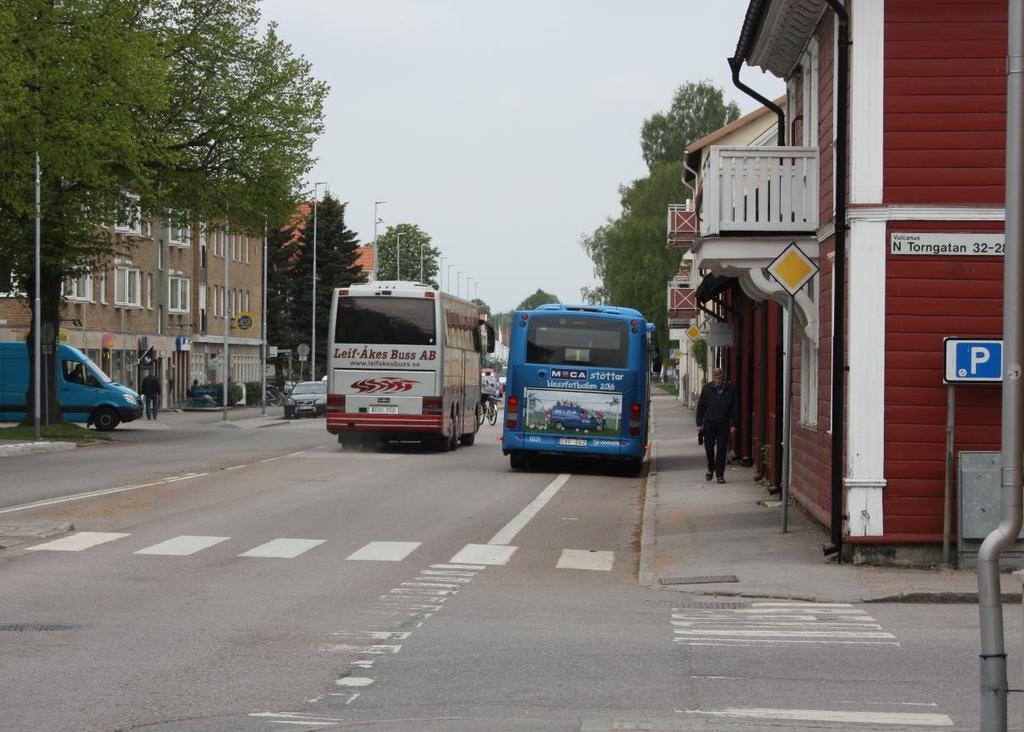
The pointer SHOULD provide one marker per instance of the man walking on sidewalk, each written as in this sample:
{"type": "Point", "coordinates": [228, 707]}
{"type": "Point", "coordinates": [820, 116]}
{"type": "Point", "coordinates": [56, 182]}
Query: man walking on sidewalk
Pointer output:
{"type": "Point", "coordinates": [718, 413]}
{"type": "Point", "coordinates": [150, 389]}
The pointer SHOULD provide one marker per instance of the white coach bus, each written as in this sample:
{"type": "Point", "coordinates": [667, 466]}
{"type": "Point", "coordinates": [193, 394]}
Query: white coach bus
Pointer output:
{"type": "Point", "coordinates": [404, 364]}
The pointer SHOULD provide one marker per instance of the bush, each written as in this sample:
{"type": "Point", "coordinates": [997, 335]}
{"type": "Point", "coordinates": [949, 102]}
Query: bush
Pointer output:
{"type": "Point", "coordinates": [252, 393]}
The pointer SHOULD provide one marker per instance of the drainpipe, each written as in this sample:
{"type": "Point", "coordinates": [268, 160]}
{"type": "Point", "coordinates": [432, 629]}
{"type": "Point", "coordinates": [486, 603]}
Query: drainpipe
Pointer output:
{"type": "Point", "coordinates": [736, 64]}
{"type": "Point", "coordinates": [839, 278]}
{"type": "Point", "coordinates": [990, 608]}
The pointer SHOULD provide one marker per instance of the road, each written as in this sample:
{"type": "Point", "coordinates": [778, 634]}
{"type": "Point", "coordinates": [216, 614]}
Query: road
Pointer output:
{"type": "Point", "coordinates": [264, 579]}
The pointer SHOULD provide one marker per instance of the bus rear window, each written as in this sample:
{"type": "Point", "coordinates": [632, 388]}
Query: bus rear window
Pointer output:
{"type": "Point", "coordinates": [386, 320]}
{"type": "Point", "coordinates": [585, 341]}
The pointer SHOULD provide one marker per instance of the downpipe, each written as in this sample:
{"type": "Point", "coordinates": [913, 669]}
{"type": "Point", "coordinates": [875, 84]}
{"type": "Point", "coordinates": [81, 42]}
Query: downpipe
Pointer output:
{"type": "Point", "coordinates": [994, 686]}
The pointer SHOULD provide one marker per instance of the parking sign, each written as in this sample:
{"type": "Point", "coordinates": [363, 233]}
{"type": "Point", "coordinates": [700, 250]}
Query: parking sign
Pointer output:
{"type": "Point", "coordinates": [969, 360]}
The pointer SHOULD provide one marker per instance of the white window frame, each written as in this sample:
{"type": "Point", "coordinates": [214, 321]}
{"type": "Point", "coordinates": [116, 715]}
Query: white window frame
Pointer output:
{"type": "Point", "coordinates": [808, 382]}
{"type": "Point", "coordinates": [78, 289]}
{"type": "Point", "coordinates": [134, 227]}
{"type": "Point", "coordinates": [179, 236]}
{"type": "Point", "coordinates": [103, 288]}
{"type": "Point", "coordinates": [132, 279]}
{"type": "Point", "coordinates": [149, 291]}
{"type": "Point", "coordinates": [178, 294]}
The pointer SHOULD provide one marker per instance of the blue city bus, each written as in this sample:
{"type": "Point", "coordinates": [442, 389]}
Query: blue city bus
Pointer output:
{"type": "Point", "coordinates": [578, 384]}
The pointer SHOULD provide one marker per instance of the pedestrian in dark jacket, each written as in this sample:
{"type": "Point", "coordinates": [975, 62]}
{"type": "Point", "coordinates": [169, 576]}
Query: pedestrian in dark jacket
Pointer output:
{"type": "Point", "coordinates": [718, 413]}
{"type": "Point", "coordinates": [150, 389]}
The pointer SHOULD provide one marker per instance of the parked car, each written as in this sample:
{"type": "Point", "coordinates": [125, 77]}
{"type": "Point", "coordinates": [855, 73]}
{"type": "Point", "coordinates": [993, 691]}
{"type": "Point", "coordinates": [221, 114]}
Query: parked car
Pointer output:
{"type": "Point", "coordinates": [85, 393]}
{"type": "Point", "coordinates": [307, 399]}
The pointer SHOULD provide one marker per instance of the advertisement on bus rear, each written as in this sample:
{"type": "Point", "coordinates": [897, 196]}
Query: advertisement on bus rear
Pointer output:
{"type": "Point", "coordinates": [559, 412]}
{"type": "Point", "coordinates": [384, 357]}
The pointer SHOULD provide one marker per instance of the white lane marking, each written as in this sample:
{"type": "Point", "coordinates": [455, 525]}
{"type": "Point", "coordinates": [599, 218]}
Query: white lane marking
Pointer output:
{"type": "Point", "coordinates": [293, 454]}
{"type": "Point", "coordinates": [372, 634]}
{"type": "Point", "coordinates": [187, 476]}
{"type": "Point", "coordinates": [294, 715]}
{"type": "Point", "coordinates": [584, 559]}
{"type": "Point", "coordinates": [802, 604]}
{"type": "Point", "coordinates": [718, 678]}
{"type": "Point", "coordinates": [236, 467]}
{"type": "Point", "coordinates": [364, 662]}
{"type": "Point", "coordinates": [749, 641]}
{"type": "Point", "coordinates": [824, 715]}
{"type": "Point", "coordinates": [270, 460]}
{"type": "Point", "coordinates": [77, 542]}
{"type": "Point", "coordinates": [79, 497]}
{"type": "Point", "coordinates": [491, 554]}
{"type": "Point", "coordinates": [183, 546]}
{"type": "Point", "coordinates": [467, 567]}
{"type": "Point", "coordinates": [354, 681]}
{"type": "Point", "coordinates": [282, 548]}
{"type": "Point", "coordinates": [377, 649]}
{"type": "Point", "coordinates": [448, 585]}
{"type": "Point", "coordinates": [384, 551]}
{"type": "Point", "coordinates": [431, 576]}
{"type": "Point", "coordinates": [421, 592]}
{"type": "Point", "coordinates": [513, 527]}
{"type": "Point", "coordinates": [787, 633]}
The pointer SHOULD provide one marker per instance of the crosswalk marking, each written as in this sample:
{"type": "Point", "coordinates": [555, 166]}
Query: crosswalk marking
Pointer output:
{"type": "Point", "coordinates": [384, 551]}
{"type": "Point", "coordinates": [183, 546]}
{"type": "Point", "coordinates": [778, 623]}
{"type": "Point", "coordinates": [902, 719]}
{"type": "Point", "coordinates": [282, 548]}
{"type": "Point", "coordinates": [77, 542]}
{"type": "Point", "coordinates": [488, 554]}
{"type": "Point", "coordinates": [585, 559]}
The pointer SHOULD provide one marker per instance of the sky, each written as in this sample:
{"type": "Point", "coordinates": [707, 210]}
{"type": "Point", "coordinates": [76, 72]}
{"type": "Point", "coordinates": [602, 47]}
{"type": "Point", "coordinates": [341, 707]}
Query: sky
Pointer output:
{"type": "Point", "coordinates": [503, 128]}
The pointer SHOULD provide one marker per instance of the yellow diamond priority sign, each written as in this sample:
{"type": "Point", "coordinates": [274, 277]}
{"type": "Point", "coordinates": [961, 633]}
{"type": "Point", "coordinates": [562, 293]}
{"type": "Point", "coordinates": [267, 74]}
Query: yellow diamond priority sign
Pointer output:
{"type": "Point", "coordinates": [693, 332]}
{"type": "Point", "coordinates": [792, 269]}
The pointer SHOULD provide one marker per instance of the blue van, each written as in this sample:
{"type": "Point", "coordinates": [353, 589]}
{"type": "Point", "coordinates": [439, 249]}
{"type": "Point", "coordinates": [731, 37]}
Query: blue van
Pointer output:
{"type": "Point", "coordinates": [85, 393]}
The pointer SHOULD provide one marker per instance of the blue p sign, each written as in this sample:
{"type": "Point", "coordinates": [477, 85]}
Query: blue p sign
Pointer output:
{"type": "Point", "coordinates": [973, 360]}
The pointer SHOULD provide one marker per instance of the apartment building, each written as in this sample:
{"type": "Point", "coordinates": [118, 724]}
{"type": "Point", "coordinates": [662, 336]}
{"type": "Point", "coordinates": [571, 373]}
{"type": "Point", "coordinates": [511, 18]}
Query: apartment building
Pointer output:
{"type": "Point", "coordinates": [160, 305]}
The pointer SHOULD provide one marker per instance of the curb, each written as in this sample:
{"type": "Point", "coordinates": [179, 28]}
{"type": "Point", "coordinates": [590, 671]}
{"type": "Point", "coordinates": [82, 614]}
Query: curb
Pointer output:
{"type": "Point", "coordinates": [647, 539]}
{"type": "Point", "coordinates": [35, 448]}
{"type": "Point", "coordinates": [14, 535]}
{"type": "Point", "coordinates": [942, 598]}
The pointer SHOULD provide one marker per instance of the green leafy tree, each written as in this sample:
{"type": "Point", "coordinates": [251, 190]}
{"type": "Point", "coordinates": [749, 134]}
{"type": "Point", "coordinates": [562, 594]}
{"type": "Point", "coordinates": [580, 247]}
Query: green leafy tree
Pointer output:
{"type": "Point", "coordinates": [485, 309]}
{"type": "Point", "coordinates": [537, 299]}
{"type": "Point", "coordinates": [698, 109]}
{"type": "Point", "coordinates": [179, 102]}
{"type": "Point", "coordinates": [416, 243]}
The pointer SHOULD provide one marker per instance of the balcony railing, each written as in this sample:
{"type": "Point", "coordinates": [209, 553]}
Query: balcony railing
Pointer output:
{"type": "Point", "coordinates": [682, 225]}
{"type": "Point", "coordinates": [760, 190]}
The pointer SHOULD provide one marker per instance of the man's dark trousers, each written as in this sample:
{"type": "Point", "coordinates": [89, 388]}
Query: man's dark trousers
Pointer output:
{"type": "Point", "coordinates": [716, 445]}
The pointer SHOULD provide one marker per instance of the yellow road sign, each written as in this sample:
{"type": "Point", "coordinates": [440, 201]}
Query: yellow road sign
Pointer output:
{"type": "Point", "coordinates": [693, 332]}
{"type": "Point", "coordinates": [792, 269]}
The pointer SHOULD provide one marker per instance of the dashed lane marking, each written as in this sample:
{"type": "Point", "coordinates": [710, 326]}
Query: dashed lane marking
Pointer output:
{"type": "Point", "coordinates": [282, 548]}
{"type": "Point", "coordinates": [384, 551]}
{"type": "Point", "coordinates": [900, 719]}
{"type": "Point", "coordinates": [586, 559]}
{"type": "Point", "coordinates": [487, 554]}
{"type": "Point", "coordinates": [183, 546]}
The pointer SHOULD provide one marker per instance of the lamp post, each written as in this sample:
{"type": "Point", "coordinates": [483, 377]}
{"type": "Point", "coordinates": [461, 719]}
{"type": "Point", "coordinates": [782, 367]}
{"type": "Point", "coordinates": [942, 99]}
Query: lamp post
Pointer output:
{"type": "Point", "coordinates": [450, 268]}
{"type": "Point", "coordinates": [312, 344]}
{"type": "Point", "coordinates": [421, 259]}
{"type": "Point", "coordinates": [226, 299]}
{"type": "Point", "coordinates": [458, 284]}
{"type": "Point", "coordinates": [263, 321]}
{"type": "Point", "coordinates": [440, 274]}
{"type": "Point", "coordinates": [37, 315]}
{"type": "Point", "coordinates": [398, 256]}
{"type": "Point", "coordinates": [376, 220]}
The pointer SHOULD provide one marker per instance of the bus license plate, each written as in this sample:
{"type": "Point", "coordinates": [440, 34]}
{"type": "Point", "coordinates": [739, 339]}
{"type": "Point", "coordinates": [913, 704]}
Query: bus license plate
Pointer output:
{"type": "Point", "coordinates": [389, 409]}
{"type": "Point", "coordinates": [572, 442]}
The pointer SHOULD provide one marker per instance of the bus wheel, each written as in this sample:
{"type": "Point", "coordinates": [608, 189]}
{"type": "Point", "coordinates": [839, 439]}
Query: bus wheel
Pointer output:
{"type": "Point", "coordinates": [633, 467]}
{"type": "Point", "coordinates": [453, 438]}
{"type": "Point", "coordinates": [105, 419]}
{"type": "Point", "coordinates": [349, 441]}
{"type": "Point", "coordinates": [517, 460]}
{"type": "Point", "coordinates": [468, 438]}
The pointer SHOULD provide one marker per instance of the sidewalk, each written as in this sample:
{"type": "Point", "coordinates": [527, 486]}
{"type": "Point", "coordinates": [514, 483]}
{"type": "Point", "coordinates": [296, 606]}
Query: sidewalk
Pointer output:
{"type": "Point", "coordinates": [695, 531]}
{"type": "Point", "coordinates": [238, 417]}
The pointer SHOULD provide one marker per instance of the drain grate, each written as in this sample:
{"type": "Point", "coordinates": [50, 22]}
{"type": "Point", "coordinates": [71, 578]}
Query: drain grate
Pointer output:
{"type": "Point", "coordinates": [691, 605]}
{"type": "Point", "coordinates": [708, 579]}
{"type": "Point", "coordinates": [34, 627]}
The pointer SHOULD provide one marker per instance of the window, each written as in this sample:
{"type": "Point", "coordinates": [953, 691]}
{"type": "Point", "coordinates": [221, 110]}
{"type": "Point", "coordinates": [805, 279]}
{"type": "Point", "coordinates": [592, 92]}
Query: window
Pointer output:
{"type": "Point", "coordinates": [178, 235]}
{"type": "Point", "coordinates": [202, 246]}
{"type": "Point", "coordinates": [79, 289]}
{"type": "Point", "coordinates": [246, 246]}
{"type": "Point", "coordinates": [202, 307]}
{"type": "Point", "coordinates": [127, 286]}
{"type": "Point", "coordinates": [103, 288]}
{"type": "Point", "coordinates": [372, 320]}
{"type": "Point", "coordinates": [178, 298]}
{"type": "Point", "coordinates": [130, 220]}
{"type": "Point", "coordinates": [149, 291]}
{"type": "Point", "coordinates": [808, 382]}
{"type": "Point", "coordinates": [7, 284]}
{"type": "Point", "coordinates": [573, 340]}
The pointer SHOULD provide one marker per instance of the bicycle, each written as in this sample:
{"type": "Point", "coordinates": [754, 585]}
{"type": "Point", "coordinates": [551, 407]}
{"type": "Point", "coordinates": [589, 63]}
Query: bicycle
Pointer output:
{"type": "Point", "coordinates": [274, 398]}
{"type": "Point", "coordinates": [489, 411]}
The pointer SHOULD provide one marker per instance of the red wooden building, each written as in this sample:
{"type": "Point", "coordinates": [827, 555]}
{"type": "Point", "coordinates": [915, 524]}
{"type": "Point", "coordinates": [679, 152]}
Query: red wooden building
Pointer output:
{"type": "Point", "coordinates": [923, 143]}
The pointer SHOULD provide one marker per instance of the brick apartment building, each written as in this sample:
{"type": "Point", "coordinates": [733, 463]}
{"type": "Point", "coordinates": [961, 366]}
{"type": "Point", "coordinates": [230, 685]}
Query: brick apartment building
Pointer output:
{"type": "Point", "coordinates": [160, 305]}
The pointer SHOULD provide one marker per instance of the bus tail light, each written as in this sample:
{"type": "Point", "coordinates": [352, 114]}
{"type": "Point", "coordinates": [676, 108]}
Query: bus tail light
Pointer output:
{"type": "Point", "coordinates": [512, 412]}
{"type": "Point", "coordinates": [336, 402]}
{"type": "Point", "coordinates": [433, 405]}
{"type": "Point", "coordinates": [634, 420]}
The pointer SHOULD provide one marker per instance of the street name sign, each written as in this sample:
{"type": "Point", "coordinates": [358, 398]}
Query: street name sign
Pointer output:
{"type": "Point", "coordinates": [972, 361]}
{"type": "Point", "coordinates": [978, 244]}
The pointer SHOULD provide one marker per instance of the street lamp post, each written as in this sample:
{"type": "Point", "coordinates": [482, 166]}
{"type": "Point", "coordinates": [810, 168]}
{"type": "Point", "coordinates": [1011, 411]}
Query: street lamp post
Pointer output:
{"type": "Point", "coordinates": [440, 274]}
{"type": "Point", "coordinates": [312, 357]}
{"type": "Point", "coordinates": [421, 259]}
{"type": "Point", "coordinates": [376, 220]}
{"type": "Point", "coordinates": [458, 284]}
{"type": "Point", "coordinates": [263, 322]}
{"type": "Point", "coordinates": [398, 256]}
{"type": "Point", "coordinates": [450, 268]}
{"type": "Point", "coordinates": [37, 315]}
{"type": "Point", "coordinates": [226, 299]}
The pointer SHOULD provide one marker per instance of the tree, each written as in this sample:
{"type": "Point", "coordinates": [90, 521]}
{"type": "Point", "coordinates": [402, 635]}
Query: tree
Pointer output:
{"type": "Point", "coordinates": [138, 108]}
{"type": "Point", "coordinates": [536, 300]}
{"type": "Point", "coordinates": [698, 109]}
{"type": "Point", "coordinates": [415, 244]}
{"type": "Point", "coordinates": [484, 308]}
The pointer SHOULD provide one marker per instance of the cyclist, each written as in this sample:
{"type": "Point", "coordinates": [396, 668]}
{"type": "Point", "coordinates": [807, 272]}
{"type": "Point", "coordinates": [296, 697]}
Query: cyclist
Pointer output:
{"type": "Point", "coordinates": [489, 390]}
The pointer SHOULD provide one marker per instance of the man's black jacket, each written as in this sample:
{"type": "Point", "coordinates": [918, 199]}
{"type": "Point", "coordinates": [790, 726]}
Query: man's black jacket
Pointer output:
{"type": "Point", "coordinates": [718, 408]}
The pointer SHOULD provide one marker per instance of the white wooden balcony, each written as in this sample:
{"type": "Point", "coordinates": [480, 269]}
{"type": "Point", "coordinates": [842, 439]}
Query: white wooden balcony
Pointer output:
{"type": "Point", "coordinates": [760, 190]}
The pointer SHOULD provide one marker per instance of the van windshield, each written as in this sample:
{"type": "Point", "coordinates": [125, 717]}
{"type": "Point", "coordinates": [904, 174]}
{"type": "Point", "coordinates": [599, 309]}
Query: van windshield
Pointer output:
{"type": "Point", "coordinates": [97, 372]}
{"type": "Point", "coordinates": [386, 320]}
{"type": "Point", "coordinates": [575, 340]}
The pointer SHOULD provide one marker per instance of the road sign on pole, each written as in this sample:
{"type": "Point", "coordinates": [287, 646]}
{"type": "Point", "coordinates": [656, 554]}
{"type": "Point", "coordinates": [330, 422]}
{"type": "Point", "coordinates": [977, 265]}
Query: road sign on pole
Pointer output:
{"type": "Point", "coordinates": [972, 360]}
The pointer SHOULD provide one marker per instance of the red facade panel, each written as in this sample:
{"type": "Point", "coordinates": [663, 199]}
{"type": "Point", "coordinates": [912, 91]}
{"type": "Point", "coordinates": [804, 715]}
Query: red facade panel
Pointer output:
{"type": "Point", "coordinates": [945, 102]}
{"type": "Point", "coordinates": [826, 130]}
{"type": "Point", "coordinates": [927, 299]}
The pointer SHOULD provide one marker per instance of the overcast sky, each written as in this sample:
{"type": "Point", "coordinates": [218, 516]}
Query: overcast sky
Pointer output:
{"type": "Point", "coordinates": [502, 128]}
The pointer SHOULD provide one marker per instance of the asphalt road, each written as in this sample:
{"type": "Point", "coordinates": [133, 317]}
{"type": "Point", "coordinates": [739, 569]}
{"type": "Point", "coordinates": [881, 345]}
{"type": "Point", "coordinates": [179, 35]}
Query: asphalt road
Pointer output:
{"type": "Point", "coordinates": [296, 586]}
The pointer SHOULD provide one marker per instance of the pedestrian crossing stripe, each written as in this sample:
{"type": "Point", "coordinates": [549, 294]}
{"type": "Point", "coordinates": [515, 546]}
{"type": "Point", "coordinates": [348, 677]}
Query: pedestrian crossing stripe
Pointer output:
{"type": "Point", "coordinates": [439, 579]}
